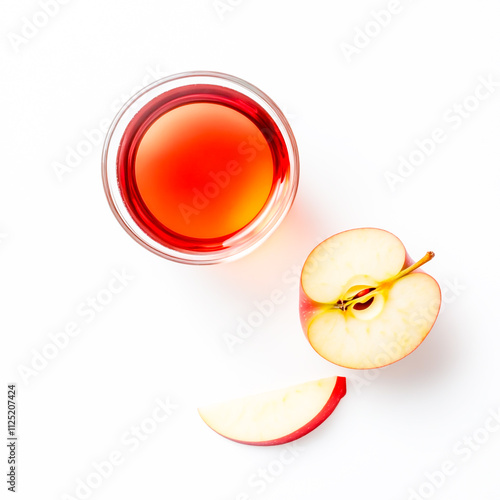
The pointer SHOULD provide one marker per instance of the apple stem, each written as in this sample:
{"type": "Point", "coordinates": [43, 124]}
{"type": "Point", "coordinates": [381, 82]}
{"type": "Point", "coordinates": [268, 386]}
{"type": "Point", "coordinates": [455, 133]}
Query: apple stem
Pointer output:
{"type": "Point", "coordinates": [426, 258]}
{"type": "Point", "coordinates": [364, 298]}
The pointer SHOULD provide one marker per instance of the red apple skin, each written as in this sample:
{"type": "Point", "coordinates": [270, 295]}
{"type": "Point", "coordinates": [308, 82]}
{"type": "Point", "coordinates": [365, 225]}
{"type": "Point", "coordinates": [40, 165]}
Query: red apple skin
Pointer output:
{"type": "Point", "coordinates": [338, 392]}
{"type": "Point", "coordinates": [309, 308]}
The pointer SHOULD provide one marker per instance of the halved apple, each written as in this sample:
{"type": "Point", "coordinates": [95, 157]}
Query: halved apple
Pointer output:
{"type": "Point", "coordinates": [276, 417]}
{"type": "Point", "coordinates": [362, 302]}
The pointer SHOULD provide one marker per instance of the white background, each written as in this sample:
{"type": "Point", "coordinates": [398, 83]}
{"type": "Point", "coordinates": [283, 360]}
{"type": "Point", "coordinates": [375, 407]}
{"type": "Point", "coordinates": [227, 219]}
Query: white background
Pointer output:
{"type": "Point", "coordinates": [163, 335]}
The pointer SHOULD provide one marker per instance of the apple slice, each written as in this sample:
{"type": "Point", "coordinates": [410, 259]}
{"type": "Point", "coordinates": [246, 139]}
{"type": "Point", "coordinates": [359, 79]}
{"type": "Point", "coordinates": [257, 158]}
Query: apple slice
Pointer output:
{"type": "Point", "coordinates": [363, 304]}
{"type": "Point", "coordinates": [276, 417]}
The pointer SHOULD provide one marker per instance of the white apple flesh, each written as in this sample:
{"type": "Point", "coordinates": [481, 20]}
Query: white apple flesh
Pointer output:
{"type": "Point", "coordinates": [363, 304]}
{"type": "Point", "coordinates": [276, 417]}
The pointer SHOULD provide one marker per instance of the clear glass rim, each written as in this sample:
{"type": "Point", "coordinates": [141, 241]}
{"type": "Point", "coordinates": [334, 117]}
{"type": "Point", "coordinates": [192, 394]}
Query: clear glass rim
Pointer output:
{"type": "Point", "coordinates": [242, 242]}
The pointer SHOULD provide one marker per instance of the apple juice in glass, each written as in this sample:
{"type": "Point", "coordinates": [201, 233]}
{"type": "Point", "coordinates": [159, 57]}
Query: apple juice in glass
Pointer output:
{"type": "Point", "coordinates": [200, 167]}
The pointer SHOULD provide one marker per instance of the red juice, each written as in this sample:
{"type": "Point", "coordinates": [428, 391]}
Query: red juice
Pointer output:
{"type": "Point", "coordinates": [198, 164]}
